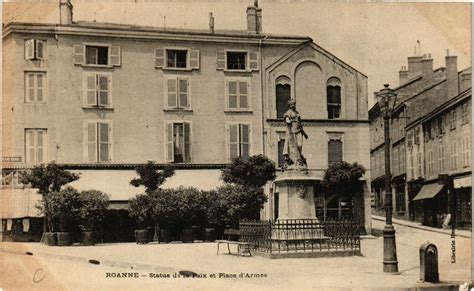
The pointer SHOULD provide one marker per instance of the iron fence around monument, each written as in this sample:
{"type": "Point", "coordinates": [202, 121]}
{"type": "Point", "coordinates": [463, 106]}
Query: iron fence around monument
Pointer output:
{"type": "Point", "coordinates": [300, 235]}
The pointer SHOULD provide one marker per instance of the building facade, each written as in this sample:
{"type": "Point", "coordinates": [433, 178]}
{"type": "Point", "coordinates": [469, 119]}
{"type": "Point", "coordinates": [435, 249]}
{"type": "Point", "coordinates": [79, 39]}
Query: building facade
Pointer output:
{"type": "Point", "coordinates": [417, 160]}
{"type": "Point", "coordinates": [101, 98]}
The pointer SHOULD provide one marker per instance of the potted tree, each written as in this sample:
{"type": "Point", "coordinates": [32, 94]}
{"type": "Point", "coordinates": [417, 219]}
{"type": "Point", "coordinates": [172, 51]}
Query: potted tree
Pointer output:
{"type": "Point", "coordinates": [47, 178]}
{"type": "Point", "coordinates": [92, 211]}
{"type": "Point", "coordinates": [141, 209]}
{"type": "Point", "coordinates": [151, 178]}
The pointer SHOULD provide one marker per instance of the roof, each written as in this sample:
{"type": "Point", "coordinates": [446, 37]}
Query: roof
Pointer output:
{"type": "Point", "coordinates": [19, 203]}
{"type": "Point", "coordinates": [448, 104]}
{"type": "Point", "coordinates": [147, 32]}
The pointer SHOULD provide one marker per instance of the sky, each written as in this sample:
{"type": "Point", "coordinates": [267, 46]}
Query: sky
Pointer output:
{"type": "Point", "coordinates": [374, 38]}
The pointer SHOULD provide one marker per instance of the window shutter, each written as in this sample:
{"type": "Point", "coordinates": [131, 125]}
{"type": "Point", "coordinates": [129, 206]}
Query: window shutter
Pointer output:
{"type": "Point", "coordinates": [90, 98]}
{"type": "Point", "coordinates": [103, 90]}
{"type": "Point", "coordinates": [30, 86]}
{"type": "Point", "coordinates": [253, 61]}
{"type": "Point", "coordinates": [183, 87]}
{"type": "Point", "coordinates": [220, 60]}
{"type": "Point", "coordinates": [79, 54]}
{"type": "Point", "coordinates": [194, 59]}
{"type": "Point", "coordinates": [39, 49]}
{"type": "Point", "coordinates": [245, 140]}
{"type": "Point", "coordinates": [334, 151]}
{"type": "Point", "coordinates": [91, 142]}
{"type": "Point", "coordinates": [39, 146]}
{"type": "Point", "coordinates": [169, 142]}
{"type": "Point", "coordinates": [233, 133]}
{"type": "Point", "coordinates": [39, 87]}
{"type": "Point", "coordinates": [171, 91]}
{"type": "Point", "coordinates": [30, 146]}
{"type": "Point", "coordinates": [187, 142]}
{"type": "Point", "coordinates": [232, 94]}
{"type": "Point", "coordinates": [104, 142]}
{"type": "Point", "coordinates": [159, 58]}
{"type": "Point", "coordinates": [243, 94]}
{"type": "Point", "coordinates": [29, 49]}
{"type": "Point", "coordinates": [114, 56]}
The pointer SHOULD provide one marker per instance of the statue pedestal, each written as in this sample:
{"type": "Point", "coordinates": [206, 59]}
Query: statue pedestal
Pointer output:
{"type": "Point", "coordinates": [296, 195]}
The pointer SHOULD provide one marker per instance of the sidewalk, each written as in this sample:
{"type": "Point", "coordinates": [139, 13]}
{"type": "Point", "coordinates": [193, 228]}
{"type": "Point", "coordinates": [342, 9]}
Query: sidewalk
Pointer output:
{"type": "Point", "coordinates": [417, 225]}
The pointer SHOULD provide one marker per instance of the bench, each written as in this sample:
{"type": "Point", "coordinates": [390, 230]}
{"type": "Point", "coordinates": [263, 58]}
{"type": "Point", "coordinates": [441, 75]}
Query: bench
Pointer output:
{"type": "Point", "coordinates": [242, 247]}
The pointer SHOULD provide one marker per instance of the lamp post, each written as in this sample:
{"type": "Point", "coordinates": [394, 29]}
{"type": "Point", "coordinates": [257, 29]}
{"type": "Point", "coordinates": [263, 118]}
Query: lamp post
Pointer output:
{"type": "Point", "coordinates": [386, 98]}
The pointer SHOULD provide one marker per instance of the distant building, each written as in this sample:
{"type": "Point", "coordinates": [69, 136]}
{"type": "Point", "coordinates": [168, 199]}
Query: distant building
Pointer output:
{"type": "Point", "coordinates": [101, 98]}
{"type": "Point", "coordinates": [421, 142]}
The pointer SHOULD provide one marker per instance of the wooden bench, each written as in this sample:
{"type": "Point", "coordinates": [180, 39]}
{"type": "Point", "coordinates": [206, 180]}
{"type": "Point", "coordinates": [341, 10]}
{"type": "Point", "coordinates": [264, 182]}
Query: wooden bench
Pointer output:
{"type": "Point", "coordinates": [242, 247]}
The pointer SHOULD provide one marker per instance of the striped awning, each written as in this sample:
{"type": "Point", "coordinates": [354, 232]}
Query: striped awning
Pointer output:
{"type": "Point", "coordinates": [464, 182]}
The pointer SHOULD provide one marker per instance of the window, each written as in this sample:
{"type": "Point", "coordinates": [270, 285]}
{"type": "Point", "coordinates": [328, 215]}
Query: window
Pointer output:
{"type": "Point", "coordinates": [98, 90]}
{"type": "Point", "coordinates": [238, 95]}
{"type": "Point", "coordinates": [465, 113]}
{"type": "Point", "coordinates": [410, 139]}
{"type": "Point", "coordinates": [394, 129]}
{"type": "Point", "coordinates": [417, 135]}
{"type": "Point", "coordinates": [96, 55]}
{"type": "Point", "coordinates": [382, 162]}
{"type": "Point", "coordinates": [400, 199]}
{"type": "Point", "coordinates": [441, 158]}
{"type": "Point", "coordinates": [35, 86]}
{"type": "Point", "coordinates": [402, 155]}
{"type": "Point", "coordinates": [238, 140]}
{"type": "Point", "coordinates": [236, 60]}
{"type": "Point", "coordinates": [177, 92]}
{"type": "Point", "coordinates": [440, 126]}
{"type": "Point", "coordinates": [430, 162]}
{"type": "Point", "coordinates": [283, 95]}
{"type": "Point", "coordinates": [335, 150]}
{"type": "Point", "coordinates": [178, 142]}
{"type": "Point", "coordinates": [176, 58]}
{"type": "Point", "coordinates": [333, 90]}
{"type": "Point", "coordinates": [35, 141]}
{"type": "Point", "coordinates": [35, 49]}
{"type": "Point", "coordinates": [453, 155]}
{"type": "Point", "coordinates": [412, 164]}
{"type": "Point", "coordinates": [395, 162]}
{"type": "Point", "coordinates": [452, 119]}
{"type": "Point", "coordinates": [420, 164]}
{"type": "Point", "coordinates": [466, 151]}
{"type": "Point", "coordinates": [401, 127]}
{"type": "Point", "coordinates": [443, 123]}
{"type": "Point", "coordinates": [98, 141]}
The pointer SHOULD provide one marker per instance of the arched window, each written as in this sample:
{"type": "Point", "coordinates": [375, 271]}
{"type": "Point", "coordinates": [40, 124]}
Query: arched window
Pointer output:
{"type": "Point", "coordinates": [333, 89]}
{"type": "Point", "coordinates": [283, 94]}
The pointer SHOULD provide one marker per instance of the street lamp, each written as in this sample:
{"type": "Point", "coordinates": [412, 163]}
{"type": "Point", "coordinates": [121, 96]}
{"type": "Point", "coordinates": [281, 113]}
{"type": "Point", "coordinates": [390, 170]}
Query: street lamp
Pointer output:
{"type": "Point", "coordinates": [387, 98]}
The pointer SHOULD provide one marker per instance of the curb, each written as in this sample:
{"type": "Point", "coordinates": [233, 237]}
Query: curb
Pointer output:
{"type": "Point", "coordinates": [381, 218]}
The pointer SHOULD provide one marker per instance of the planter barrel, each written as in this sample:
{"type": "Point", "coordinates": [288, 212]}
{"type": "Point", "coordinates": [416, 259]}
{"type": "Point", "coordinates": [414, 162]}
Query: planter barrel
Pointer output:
{"type": "Point", "coordinates": [188, 236]}
{"type": "Point", "coordinates": [141, 236]}
{"type": "Point", "coordinates": [88, 238]}
{"type": "Point", "coordinates": [165, 236]}
{"type": "Point", "coordinates": [210, 234]}
{"type": "Point", "coordinates": [198, 233]}
{"type": "Point", "coordinates": [51, 238]}
{"type": "Point", "coordinates": [64, 239]}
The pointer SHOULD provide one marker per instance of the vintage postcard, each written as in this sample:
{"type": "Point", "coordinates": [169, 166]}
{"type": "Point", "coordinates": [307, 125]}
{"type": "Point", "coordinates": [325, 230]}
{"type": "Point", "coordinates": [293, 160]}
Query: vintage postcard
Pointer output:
{"type": "Point", "coordinates": [236, 145]}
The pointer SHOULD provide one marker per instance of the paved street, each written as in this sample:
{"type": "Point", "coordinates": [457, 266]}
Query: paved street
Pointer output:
{"type": "Point", "coordinates": [67, 267]}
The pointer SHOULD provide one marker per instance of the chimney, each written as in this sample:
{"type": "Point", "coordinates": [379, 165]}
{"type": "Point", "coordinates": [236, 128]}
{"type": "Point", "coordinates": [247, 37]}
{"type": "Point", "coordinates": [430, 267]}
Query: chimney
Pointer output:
{"type": "Point", "coordinates": [414, 66]}
{"type": "Point", "coordinates": [452, 75]}
{"type": "Point", "coordinates": [403, 74]}
{"type": "Point", "coordinates": [254, 18]}
{"type": "Point", "coordinates": [211, 22]}
{"type": "Point", "coordinates": [427, 68]}
{"type": "Point", "coordinates": [65, 12]}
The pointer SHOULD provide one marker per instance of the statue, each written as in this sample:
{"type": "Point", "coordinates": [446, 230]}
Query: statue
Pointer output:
{"type": "Point", "coordinates": [293, 147]}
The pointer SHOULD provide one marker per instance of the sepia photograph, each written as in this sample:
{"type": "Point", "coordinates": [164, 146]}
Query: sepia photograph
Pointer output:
{"type": "Point", "coordinates": [236, 145]}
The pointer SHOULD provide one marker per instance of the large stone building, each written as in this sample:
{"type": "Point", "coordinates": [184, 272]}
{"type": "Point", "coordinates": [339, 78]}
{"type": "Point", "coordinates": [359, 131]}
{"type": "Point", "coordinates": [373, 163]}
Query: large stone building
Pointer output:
{"type": "Point", "coordinates": [101, 98]}
{"type": "Point", "coordinates": [422, 143]}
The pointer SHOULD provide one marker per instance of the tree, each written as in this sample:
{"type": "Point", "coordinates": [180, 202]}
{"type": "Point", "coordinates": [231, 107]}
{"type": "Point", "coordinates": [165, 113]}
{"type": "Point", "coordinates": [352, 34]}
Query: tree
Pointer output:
{"type": "Point", "coordinates": [93, 205]}
{"type": "Point", "coordinates": [150, 177]}
{"type": "Point", "coordinates": [47, 179]}
{"type": "Point", "coordinates": [61, 209]}
{"type": "Point", "coordinates": [343, 178]}
{"type": "Point", "coordinates": [255, 171]}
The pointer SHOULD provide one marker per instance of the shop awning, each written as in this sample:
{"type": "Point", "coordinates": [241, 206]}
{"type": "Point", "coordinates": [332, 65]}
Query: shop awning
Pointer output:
{"type": "Point", "coordinates": [19, 203]}
{"type": "Point", "coordinates": [116, 183]}
{"type": "Point", "coordinates": [464, 182]}
{"type": "Point", "coordinates": [428, 191]}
